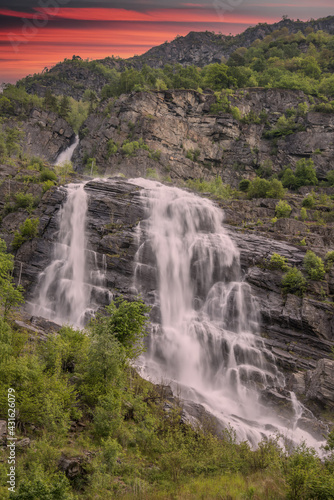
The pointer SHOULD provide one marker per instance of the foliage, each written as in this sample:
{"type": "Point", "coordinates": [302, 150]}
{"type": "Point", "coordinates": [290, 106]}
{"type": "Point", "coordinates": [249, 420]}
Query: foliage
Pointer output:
{"type": "Point", "coordinates": [293, 282]}
{"type": "Point", "coordinates": [193, 154]}
{"type": "Point", "coordinates": [215, 187]}
{"type": "Point", "coordinates": [27, 231]}
{"type": "Point", "coordinates": [277, 261]}
{"type": "Point", "coordinates": [283, 209]}
{"type": "Point", "coordinates": [10, 295]}
{"type": "Point", "coordinates": [330, 176]}
{"type": "Point", "coordinates": [314, 266]}
{"type": "Point", "coordinates": [303, 213]}
{"type": "Point", "coordinates": [48, 175]}
{"type": "Point", "coordinates": [112, 148]}
{"type": "Point", "coordinates": [244, 185]}
{"type": "Point", "coordinates": [308, 201]}
{"type": "Point", "coordinates": [263, 188]}
{"type": "Point", "coordinates": [24, 200]}
{"type": "Point", "coordinates": [130, 148]}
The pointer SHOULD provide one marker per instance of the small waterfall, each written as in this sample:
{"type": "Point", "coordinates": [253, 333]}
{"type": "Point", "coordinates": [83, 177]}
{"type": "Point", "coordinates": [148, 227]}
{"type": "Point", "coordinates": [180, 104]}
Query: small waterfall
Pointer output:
{"type": "Point", "coordinates": [67, 154]}
{"type": "Point", "coordinates": [73, 285]}
{"type": "Point", "coordinates": [205, 341]}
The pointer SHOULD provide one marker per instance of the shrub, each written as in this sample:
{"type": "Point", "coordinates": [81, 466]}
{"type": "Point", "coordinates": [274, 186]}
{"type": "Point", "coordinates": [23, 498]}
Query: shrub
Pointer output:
{"type": "Point", "coordinates": [47, 185]}
{"type": "Point", "coordinates": [262, 188]}
{"type": "Point", "coordinates": [314, 266]}
{"type": "Point", "coordinates": [10, 295]}
{"type": "Point", "coordinates": [258, 188]}
{"type": "Point", "coordinates": [24, 200]}
{"type": "Point", "coordinates": [27, 231]}
{"type": "Point", "coordinates": [330, 177]}
{"type": "Point", "coordinates": [151, 173]}
{"type": "Point", "coordinates": [283, 209]}
{"type": "Point", "coordinates": [244, 185]}
{"type": "Point", "coordinates": [276, 189]}
{"type": "Point", "coordinates": [112, 148]}
{"type": "Point", "coordinates": [277, 261]}
{"type": "Point", "coordinates": [303, 213]}
{"type": "Point", "coordinates": [293, 282]}
{"type": "Point", "coordinates": [309, 201]}
{"type": "Point", "coordinates": [330, 257]}
{"type": "Point", "coordinates": [48, 175]}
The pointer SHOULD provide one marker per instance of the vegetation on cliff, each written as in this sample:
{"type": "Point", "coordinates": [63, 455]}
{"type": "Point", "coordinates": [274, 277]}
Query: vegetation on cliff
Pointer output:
{"type": "Point", "coordinates": [89, 427]}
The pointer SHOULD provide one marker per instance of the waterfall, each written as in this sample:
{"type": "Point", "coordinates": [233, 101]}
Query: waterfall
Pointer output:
{"type": "Point", "coordinates": [205, 341]}
{"type": "Point", "coordinates": [67, 154]}
{"type": "Point", "coordinates": [72, 287]}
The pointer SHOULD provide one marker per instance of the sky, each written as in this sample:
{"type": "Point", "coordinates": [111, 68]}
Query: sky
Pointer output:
{"type": "Point", "coordinates": [35, 34]}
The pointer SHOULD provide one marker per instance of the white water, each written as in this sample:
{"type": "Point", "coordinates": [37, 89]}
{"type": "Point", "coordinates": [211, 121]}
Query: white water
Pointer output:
{"type": "Point", "coordinates": [73, 285]}
{"type": "Point", "coordinates": [67, 154]}
{"type": "Point", "coordinates": [207, 346]}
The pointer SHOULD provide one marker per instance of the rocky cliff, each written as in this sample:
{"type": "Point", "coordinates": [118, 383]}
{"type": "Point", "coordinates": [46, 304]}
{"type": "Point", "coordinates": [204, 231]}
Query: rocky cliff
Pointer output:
{"type": "Point", "coordinates": [183, 126]}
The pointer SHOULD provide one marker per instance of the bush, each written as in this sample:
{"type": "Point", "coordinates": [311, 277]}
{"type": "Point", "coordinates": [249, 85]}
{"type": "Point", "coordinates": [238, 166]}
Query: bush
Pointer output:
{"type": "Point", "coordinates": [244, 185]}
{"type": "Point", "coordinates": [282, 209]}
{"type": "Point", "coordinates": [330, 177]}
{"type": "Point", "coordinates": [305, 175]}
{"type": "Point", "coordinates": [262, 188]}
{"type": "Point", "coordinates": [47, 185]}
{"type": "Point", "coordinates": [303, 213]}
{"type": "Point", "coordinates": [294, 282]}
{"type": "Point", "coordinates": [48, 175]}
{"type": "Point", "coordinates": [309, 201]}
{"type": "Point", "coordinates": [27, 231]}
{"type": "Point", "coordinates": [276, 189]}
{"type": "Point", "coordinates": [314, 266]}
{"type": "Point", "coordinates": [277, 261]}
{"type": "Point", "coordinates": [24, 200]}
{"type": "Point", "coordinates": [330, 257]}
{"type": "Point", "coordinates": [215, 187]}
{"type": "Point", "coordinates": [10, 295]}
{"type": "Point", "coordinates": [112, 148]}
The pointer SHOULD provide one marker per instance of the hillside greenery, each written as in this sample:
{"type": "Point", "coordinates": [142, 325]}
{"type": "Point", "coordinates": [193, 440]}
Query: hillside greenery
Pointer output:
{"type": "Point", "coordinates": [281, 60]}
{"type": "Point", "coordinates": [78, 397]}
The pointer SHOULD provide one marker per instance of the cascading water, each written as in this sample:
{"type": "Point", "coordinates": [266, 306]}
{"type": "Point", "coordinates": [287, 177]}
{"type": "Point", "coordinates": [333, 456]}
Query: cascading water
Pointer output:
{"type": "Point", "coordinates": [67, 154]}
{"type": "Point", "coordinates": [205, 341]}
{"type": "Point", "coordinates": [73, 285]}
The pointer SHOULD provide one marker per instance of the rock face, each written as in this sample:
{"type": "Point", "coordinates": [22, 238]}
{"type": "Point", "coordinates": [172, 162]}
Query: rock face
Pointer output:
{"type": "Point", "coordinates": [46, 134]}
{"type": "Point", "coordinates": [298, 331]}
{"type": "Point", "coordinates": [316, 386]}
{"type": "Point", "coordinates": [175, 124]}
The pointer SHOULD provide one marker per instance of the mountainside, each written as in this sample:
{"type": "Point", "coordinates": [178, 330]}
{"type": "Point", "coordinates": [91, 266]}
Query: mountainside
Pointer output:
{"type": "Point", "coordinates": [199, 49]}
{"type": "Point", "coordinates": [199, 201]}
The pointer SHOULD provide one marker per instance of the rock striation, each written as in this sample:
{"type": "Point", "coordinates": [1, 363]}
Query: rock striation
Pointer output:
{"type": "Point", "coordinates": [180, 122]}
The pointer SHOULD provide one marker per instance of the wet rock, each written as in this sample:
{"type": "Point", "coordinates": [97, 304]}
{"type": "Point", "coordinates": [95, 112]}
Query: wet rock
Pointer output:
{"type": "Point", "coordinates": [320, 384]}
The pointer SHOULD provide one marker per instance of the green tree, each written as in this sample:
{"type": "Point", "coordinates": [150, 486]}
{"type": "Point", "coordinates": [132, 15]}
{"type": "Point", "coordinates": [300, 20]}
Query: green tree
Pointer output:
{"type": "Point", "coordinates": [65, 107]}
{"type": "Point", "coordinates": [27, 231]}
{"type": "Point", "coordinates": [305, 173]}
{"type": "Point", "coordinates": [50, 101]}
{"type": "Point", "coordinates": [282, 209]}
{"type": "Point", "coordinates": [216, 76]}
{"type": "Point", "coordinates": [10, 295]}
{"type": "Point", "coordinates": [314, 266]}
{"type": "Point", "coordinates": [293, 282]}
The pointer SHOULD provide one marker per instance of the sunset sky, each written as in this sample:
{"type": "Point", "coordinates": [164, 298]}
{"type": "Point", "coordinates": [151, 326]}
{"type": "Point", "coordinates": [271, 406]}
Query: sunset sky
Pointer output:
{"type": "Point", "coordinates": [39, 33]}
